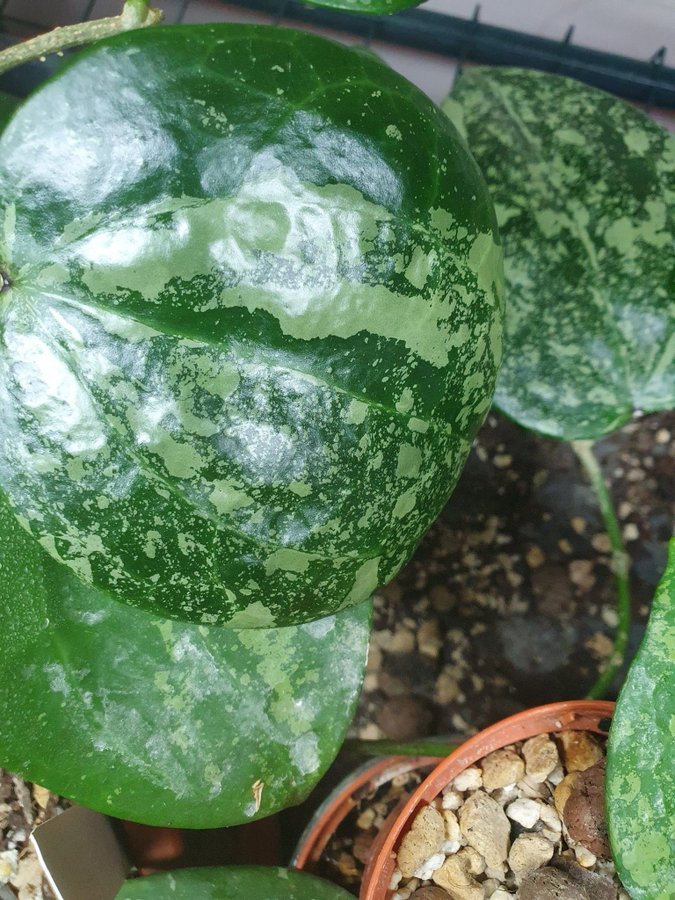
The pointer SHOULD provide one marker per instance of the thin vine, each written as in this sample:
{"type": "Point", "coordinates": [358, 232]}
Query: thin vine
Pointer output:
{"type": "Point", "coordinates": [620, 564]}
{"type": "Point", "coordinates": [135, 14]}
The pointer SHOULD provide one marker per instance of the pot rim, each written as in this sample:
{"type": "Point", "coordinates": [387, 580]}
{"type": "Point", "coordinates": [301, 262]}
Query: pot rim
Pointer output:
{"type": "Point", "coordinates": [339, 803]}
{"type": "Point", "coordinates": [570, 715]}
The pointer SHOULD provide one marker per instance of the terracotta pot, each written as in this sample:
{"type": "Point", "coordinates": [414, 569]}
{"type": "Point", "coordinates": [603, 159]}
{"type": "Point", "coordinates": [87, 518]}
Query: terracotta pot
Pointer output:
{"type": "Point", "coordinates": [341, 801]}
{"type": "Point", "coordinates": [575, 715]}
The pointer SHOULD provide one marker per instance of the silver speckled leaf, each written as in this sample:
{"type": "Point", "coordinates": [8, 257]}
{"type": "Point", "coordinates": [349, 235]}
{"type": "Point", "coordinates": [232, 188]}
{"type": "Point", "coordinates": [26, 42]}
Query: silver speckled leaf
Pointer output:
{"type": "Point", "coordinates": [640, 758]}
{"type": "Point", "coordinates": [584, 187]}
{"type": "Point", "coordinates": [232, 883]}
{"type": "Point", "coordinates": [159, 721]}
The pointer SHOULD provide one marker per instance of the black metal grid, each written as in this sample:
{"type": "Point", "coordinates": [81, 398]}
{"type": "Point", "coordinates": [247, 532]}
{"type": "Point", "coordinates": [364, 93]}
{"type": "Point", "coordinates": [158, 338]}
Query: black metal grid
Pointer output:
{"type": "Point", "coordinates": [649, 82]}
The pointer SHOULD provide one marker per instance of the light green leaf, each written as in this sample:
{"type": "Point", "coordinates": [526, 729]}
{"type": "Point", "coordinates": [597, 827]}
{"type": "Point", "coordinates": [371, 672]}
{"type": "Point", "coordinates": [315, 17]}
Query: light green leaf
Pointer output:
{"type": "Point", "coordinates": [641, 750]}
{"type": "Point", "coordinates": [162, 722]}
{"type": "Point", "coordinates": [584, 187]}
{"type": "Point", "coordinates": [254, 320]}
{"type": "Point", "coordinates": [242, 883]}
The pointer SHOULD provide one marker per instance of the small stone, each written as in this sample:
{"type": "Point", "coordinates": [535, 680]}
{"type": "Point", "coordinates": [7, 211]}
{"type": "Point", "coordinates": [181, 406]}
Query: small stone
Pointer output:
{"type": "Point", "coordinates": [429, 866]}
{"type": "Point", "coordinates": [447, 686]}
{"type": "Point", "coordinates": [396, 877]}
{"type": "Point", "coordinates": [422, 842]}
{"type": "Point", "coordinates": [362, 846]}
{"type": "Point", "coordinates": [9, 864]}
{"type": "Point", "coordinates": [41, 796]}
{"type": "Point", "coordinates": [533, 789]}
{"type": "Point", "coordinates": [485, 828]}
{"type": "Point", "coordinates": [502, 768]}
{"type": "Point", "coordinates": [429, 638]}
{"type": "Point", "coordinates": [475, 862]}
{"type": "Point", "coordinates": [403, 718]}
{"type": "Point", "coordinates": [524, 811]}
{"type": "Point", "coordinates": [601, 542]}
{"type": "Point", "coordinates": [541, 757]}
{"type": "Point", "coordinates": [503, 460]}
{"type": "Point", "coordinates": [529, 851]}
{"type": "Point", "coordinates": [451, 799]}
{"type": "Point", "coordinates": [584, 857]}
{"type": "Point", "coordinates": [366, 819]}
{"type": "Point", "coordinates": [535, 557]}
{"type": "Point", "coordinates": [550, 884]}
{"type": "Point", "coordinates": [430, 892]}
{"type": "Point", "coordinates": [549, 817]}
{"type": "Point", "coordinates": [452, 829]}
{"type": "Point", "coordinates": [596, 885]}
{"type": "Point", "coordinates": [468, 780]}
{"type": "Point", "coordinates": [563, 791]}
{"type": "Point", "coordinates": [581, 806]}
{"type": "Point", "coordinates": [500, 894]}
{"type": "Point", "coordinates": [455, 877]}
{"type": "Point", "coordinates": [557, 775]}
{"type": "Point", "coordinates": [630, 532]}
{"type": "Point", "coordinates": [580, 750]}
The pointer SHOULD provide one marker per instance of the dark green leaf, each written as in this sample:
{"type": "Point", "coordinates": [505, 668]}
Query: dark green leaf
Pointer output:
{"type": "Point", "coordinates": [640, 769]}
{"type": "Point", "coordinates": [236, 883]}
{"type": "Point", "coordinates": [584, 187]}
{"type": "Point", "coordinates": [254, 321]}
{"type": "Point", "coordinates": [159, 721]}
{"type": "Point", "coordinates": [7, 106]}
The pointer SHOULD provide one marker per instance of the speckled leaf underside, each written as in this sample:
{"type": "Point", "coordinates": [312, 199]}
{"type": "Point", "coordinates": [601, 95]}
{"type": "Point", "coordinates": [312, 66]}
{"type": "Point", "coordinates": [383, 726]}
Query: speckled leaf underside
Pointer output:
{"type": "Point", "coordinates": [254, 883]}
{"type": "Point", "coordinates": [254, 320]}
{"type": "Point", "coordinates": [158, 721]}
{"type": "Point", "coordinates": [584, 187]}
{"type": "Point", "coordinates": [641, 758]}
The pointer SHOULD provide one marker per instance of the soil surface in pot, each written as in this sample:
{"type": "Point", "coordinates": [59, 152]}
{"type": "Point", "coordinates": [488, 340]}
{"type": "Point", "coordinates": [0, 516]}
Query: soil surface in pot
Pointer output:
{"type": "Point", "coordinates": [345, 856]}
{"type": "Point", "coordinates": [526, 822]}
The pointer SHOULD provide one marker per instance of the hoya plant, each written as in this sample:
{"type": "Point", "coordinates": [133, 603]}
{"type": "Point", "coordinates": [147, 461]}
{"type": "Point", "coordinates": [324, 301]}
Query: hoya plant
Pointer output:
{"type": "Point", "coordinates": [251, 322]}
{"type": "Point", "coordinates": [584, 189]}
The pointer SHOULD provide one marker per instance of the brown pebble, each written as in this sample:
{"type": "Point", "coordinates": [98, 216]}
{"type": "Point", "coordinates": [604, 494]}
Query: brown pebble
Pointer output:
{"type": "Point", "coordinates": [596, 885]}
{"type": "Point", "coordinates": [403, 718]}
{"type": "Point", "coordinates": [580, 750]}
{"type": "Point", "coordinates": [583, 809]}
{"type": "Point", "coordinates": [541, 757]}
{"type": "Point", "coordinates": [430, 892]}
{"type": "Point", "coordinates": [550, 884]}
{"type": "Point", "coordinates": [362, 845]}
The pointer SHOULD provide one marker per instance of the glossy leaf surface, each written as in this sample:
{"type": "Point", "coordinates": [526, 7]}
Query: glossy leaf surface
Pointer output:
{"type": "Point", "coordinates": [158, 721]}
{"type": "Point", "coordinates": [251, 883]}
{"type": "Point", "coordinates": [584, 187]}
{"type": "Point", "coordinates": [254, 321]}
{"type": "Point", "coordinates": [640, 771]}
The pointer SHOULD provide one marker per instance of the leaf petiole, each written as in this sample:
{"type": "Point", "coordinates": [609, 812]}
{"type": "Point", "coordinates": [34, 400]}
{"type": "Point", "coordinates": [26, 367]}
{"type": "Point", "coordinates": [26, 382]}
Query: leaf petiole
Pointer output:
{"type": "Point", "coordinates": [620, 561]}
{"type": "Point", "coordinates": [135, 14]}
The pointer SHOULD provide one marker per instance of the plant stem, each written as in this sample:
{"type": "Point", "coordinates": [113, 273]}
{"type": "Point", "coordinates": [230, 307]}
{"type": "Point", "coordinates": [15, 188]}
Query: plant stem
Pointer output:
{"type": "Point", "coordinates": [431, 747]}
{"type": "Point", "coordinates": [135, 14]}
{"type": "Point", "coordinates": [621, 565]}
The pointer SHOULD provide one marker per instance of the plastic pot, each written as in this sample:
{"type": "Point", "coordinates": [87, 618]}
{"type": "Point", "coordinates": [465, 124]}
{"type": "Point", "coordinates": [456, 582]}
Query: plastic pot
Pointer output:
{"type": "Point", "coordinates": [575, 715]}
{"type": "Point", "coordinates": [344, 798]}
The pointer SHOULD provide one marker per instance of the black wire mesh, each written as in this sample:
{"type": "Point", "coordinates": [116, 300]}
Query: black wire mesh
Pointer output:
{"type": "Point", "coordinates": [649, 82]}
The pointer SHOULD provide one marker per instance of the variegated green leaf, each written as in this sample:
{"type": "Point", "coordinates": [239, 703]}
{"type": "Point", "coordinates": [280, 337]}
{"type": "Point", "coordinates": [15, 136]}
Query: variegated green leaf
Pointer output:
{"type": "Point", "coordinates": [235, 883]}
{"type": "Point", "coordinates": [640, 758]}
{"type": "Point", "coordinates": [254, 320]}
{"type": "Point", "coordinates": [159, 721]}
{"type": "Point", "coordinates": [584, 187]}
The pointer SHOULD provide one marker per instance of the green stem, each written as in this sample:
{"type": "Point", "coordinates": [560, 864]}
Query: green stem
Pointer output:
{"type": "Point", "coordinates": [135, 14]}
{"type": "Point", "coordinates": [621, 565]}
{"type": "Point", "coordinates": [431, 747]}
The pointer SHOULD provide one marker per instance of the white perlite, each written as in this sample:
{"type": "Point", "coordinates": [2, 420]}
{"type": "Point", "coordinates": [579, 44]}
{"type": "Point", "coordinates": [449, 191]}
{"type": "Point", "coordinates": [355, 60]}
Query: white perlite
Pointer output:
{"type": "Point", "coordinates": [524, 811]}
